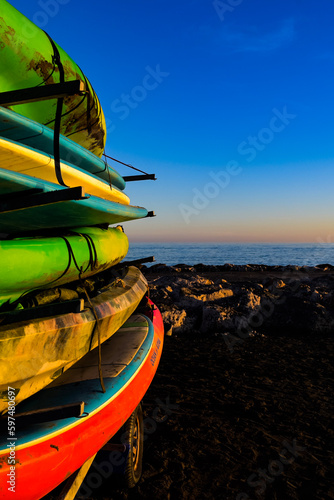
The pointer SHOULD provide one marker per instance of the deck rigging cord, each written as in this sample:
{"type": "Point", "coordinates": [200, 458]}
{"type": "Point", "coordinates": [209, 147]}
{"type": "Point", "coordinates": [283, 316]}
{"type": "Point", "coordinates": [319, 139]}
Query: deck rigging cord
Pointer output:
{"type": "Point", "coordinates": [109, 175]}
{"type": "Point", "coordinates": [96, 327]}
{"type": "Point", "coordinates": [92, 263]}
{"type": "Point", "coordinates": [126, 164]}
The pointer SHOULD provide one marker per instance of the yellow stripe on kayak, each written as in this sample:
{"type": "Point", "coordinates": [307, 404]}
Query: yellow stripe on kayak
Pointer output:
{"type": "Point", "coordinates": [18, 158]}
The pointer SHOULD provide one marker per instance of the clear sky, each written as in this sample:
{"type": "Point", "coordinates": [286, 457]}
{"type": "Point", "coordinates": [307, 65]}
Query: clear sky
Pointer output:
{"type": "Point", "coordinates": [229, 102]}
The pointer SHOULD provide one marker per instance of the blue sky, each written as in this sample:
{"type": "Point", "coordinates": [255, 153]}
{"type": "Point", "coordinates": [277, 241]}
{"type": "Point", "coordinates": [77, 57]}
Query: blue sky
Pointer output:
{"type": "Point", "coordinates": [229, 102]}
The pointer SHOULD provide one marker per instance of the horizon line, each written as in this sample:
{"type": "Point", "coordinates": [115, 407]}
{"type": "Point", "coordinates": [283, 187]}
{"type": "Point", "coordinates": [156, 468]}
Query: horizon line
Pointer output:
{"type": "Point", "coordinates": [215, 242]}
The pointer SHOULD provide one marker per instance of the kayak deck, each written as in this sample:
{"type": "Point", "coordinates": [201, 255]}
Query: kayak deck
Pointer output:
{"type": "Point", "coordinates": [117, 353]}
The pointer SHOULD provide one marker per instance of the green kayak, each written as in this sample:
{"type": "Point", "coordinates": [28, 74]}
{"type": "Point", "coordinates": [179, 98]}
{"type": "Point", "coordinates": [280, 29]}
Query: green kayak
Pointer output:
{"type": "Point", "coordinates": [29, 59]}
{"type": "Point", "coordinates": [27, 264]}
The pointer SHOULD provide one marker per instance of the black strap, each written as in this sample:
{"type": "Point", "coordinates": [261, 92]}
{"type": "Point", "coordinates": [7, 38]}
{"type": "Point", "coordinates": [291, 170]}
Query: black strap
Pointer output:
{"type": "Point", "coordinates": [56, 136]}
{"type": "Point", "coordinates": [89, 126]}
{"type": "Point", "coordinates": [92, 264]}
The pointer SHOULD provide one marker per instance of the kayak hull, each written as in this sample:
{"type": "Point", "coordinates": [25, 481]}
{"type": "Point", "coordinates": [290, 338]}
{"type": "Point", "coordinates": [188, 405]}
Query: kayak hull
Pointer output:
{"type": "Point", "coordinates": [34, 352]}
{"type": "Point", "coordinates": [26, 160]}
{"type": "Point", "coordinates": [89, 211]}
{"type": "Point", "coordinates": [21, 129]}
{"type": "Point", "coordinates": [29, 56]}
{"type": "Point", "coordinates": [56, 449]}
{"type": "Point", "coordinates": [30, 263]}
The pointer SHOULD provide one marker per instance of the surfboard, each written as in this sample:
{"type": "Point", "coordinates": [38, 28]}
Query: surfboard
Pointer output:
{"type": "Point", "coordinates": [29, 204]}
{"type": "Point", "coordinates": [26, 160]}
{"type": "Point", "coordinates": [37, 262]}
{"type": "Point", "coordinates": [57, 448]}
{"type": "Point", "coordinates": [18, 128]}
{"type": "Point", "coordinates": [30, 58]}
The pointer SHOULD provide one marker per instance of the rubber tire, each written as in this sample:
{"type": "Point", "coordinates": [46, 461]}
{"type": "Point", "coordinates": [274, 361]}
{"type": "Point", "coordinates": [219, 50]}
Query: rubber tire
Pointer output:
{"type": "Point", "coordinates": [134, 438]}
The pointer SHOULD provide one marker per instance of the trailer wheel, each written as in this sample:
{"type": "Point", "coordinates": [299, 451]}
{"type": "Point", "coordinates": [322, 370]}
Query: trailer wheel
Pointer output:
{"type": "Point", "coordinates": [134, 440]}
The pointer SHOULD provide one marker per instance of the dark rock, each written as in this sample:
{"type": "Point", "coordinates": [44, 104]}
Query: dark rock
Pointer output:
{"type": "Point", "coordinates": [325, 267]}
{"type": "Point", "coordinates": [159, 267]}
{"type": "Point", "coordinates": [228, 267]}
{"type": "Point", "coordinates": [184, 267]}
{"type": "Point", "coordinates": [271, 300]}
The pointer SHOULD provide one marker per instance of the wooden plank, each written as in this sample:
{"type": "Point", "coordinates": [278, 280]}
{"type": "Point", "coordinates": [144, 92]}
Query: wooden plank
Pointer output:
{"type": "Point", "coordinates": [75, 481]}
{"type": "Point", "coordinates": [42, 93]}
{"type": "Point", "coordinates": [37, 200]}
{"type": "Point", "coordinates": [146, 177]}
{"type": "Point", "coordinates": [48, 310]}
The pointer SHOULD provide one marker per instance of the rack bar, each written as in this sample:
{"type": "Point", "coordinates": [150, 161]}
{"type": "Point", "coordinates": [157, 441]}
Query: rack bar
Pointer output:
{"type": "Point", "coordinates": [37, 200]}
{"type": "Point", "coordinates": [146, 177]}
{"type": "Point", "coordinates": [136, 262]}
{"type": "Point", "coordinates": [48, 310]}
{"type": "Point", "coordinates": [48, 414]}
{"type": "Point", "coordinates": [42, 93]}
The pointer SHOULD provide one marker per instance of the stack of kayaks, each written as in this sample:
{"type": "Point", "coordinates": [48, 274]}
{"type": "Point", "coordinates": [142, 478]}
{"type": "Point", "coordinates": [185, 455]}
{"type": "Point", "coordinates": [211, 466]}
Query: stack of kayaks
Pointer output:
{"type": "Point", "coordinates": [60, 294]}
{"type": "Point", "coordinates": [83, 416]}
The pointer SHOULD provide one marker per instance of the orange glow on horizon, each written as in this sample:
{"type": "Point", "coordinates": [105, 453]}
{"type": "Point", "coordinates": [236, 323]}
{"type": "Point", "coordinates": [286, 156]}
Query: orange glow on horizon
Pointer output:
{"type": "Point", "coordinates": [268, 232]}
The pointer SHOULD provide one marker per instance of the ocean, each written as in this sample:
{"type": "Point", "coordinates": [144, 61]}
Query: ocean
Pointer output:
{"type": "Point", "coordinates": [303, 254]}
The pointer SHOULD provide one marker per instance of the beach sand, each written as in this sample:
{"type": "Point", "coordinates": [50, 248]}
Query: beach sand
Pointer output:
{"type": "Point", "coordinates": [237, 415]}
{"type": "Point", "coordinates": [255, 423]}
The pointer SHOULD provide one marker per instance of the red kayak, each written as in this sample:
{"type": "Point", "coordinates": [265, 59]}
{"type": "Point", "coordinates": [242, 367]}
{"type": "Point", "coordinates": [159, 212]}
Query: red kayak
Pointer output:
{"type": "Point", "coordinates": [36, 458]}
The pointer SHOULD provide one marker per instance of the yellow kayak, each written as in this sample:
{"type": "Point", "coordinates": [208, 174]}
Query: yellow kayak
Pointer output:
{"type": "Point", "coordinates": [28, 161]}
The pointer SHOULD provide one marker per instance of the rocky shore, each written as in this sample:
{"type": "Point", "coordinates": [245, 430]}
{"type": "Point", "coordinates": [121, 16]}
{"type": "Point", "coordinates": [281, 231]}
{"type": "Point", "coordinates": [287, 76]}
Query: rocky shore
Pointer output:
{"type": "Point", "coordinates": [238, 301]}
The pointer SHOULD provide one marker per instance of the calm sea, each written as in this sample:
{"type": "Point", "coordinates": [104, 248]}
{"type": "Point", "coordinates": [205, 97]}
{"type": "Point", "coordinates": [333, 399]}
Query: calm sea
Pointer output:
{"type": "Point", "coordinates": [221, 253]}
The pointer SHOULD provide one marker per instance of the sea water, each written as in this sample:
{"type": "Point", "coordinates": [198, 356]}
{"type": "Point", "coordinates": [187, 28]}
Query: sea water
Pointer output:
{"type": "Point", "coordinates": [303, 254]}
